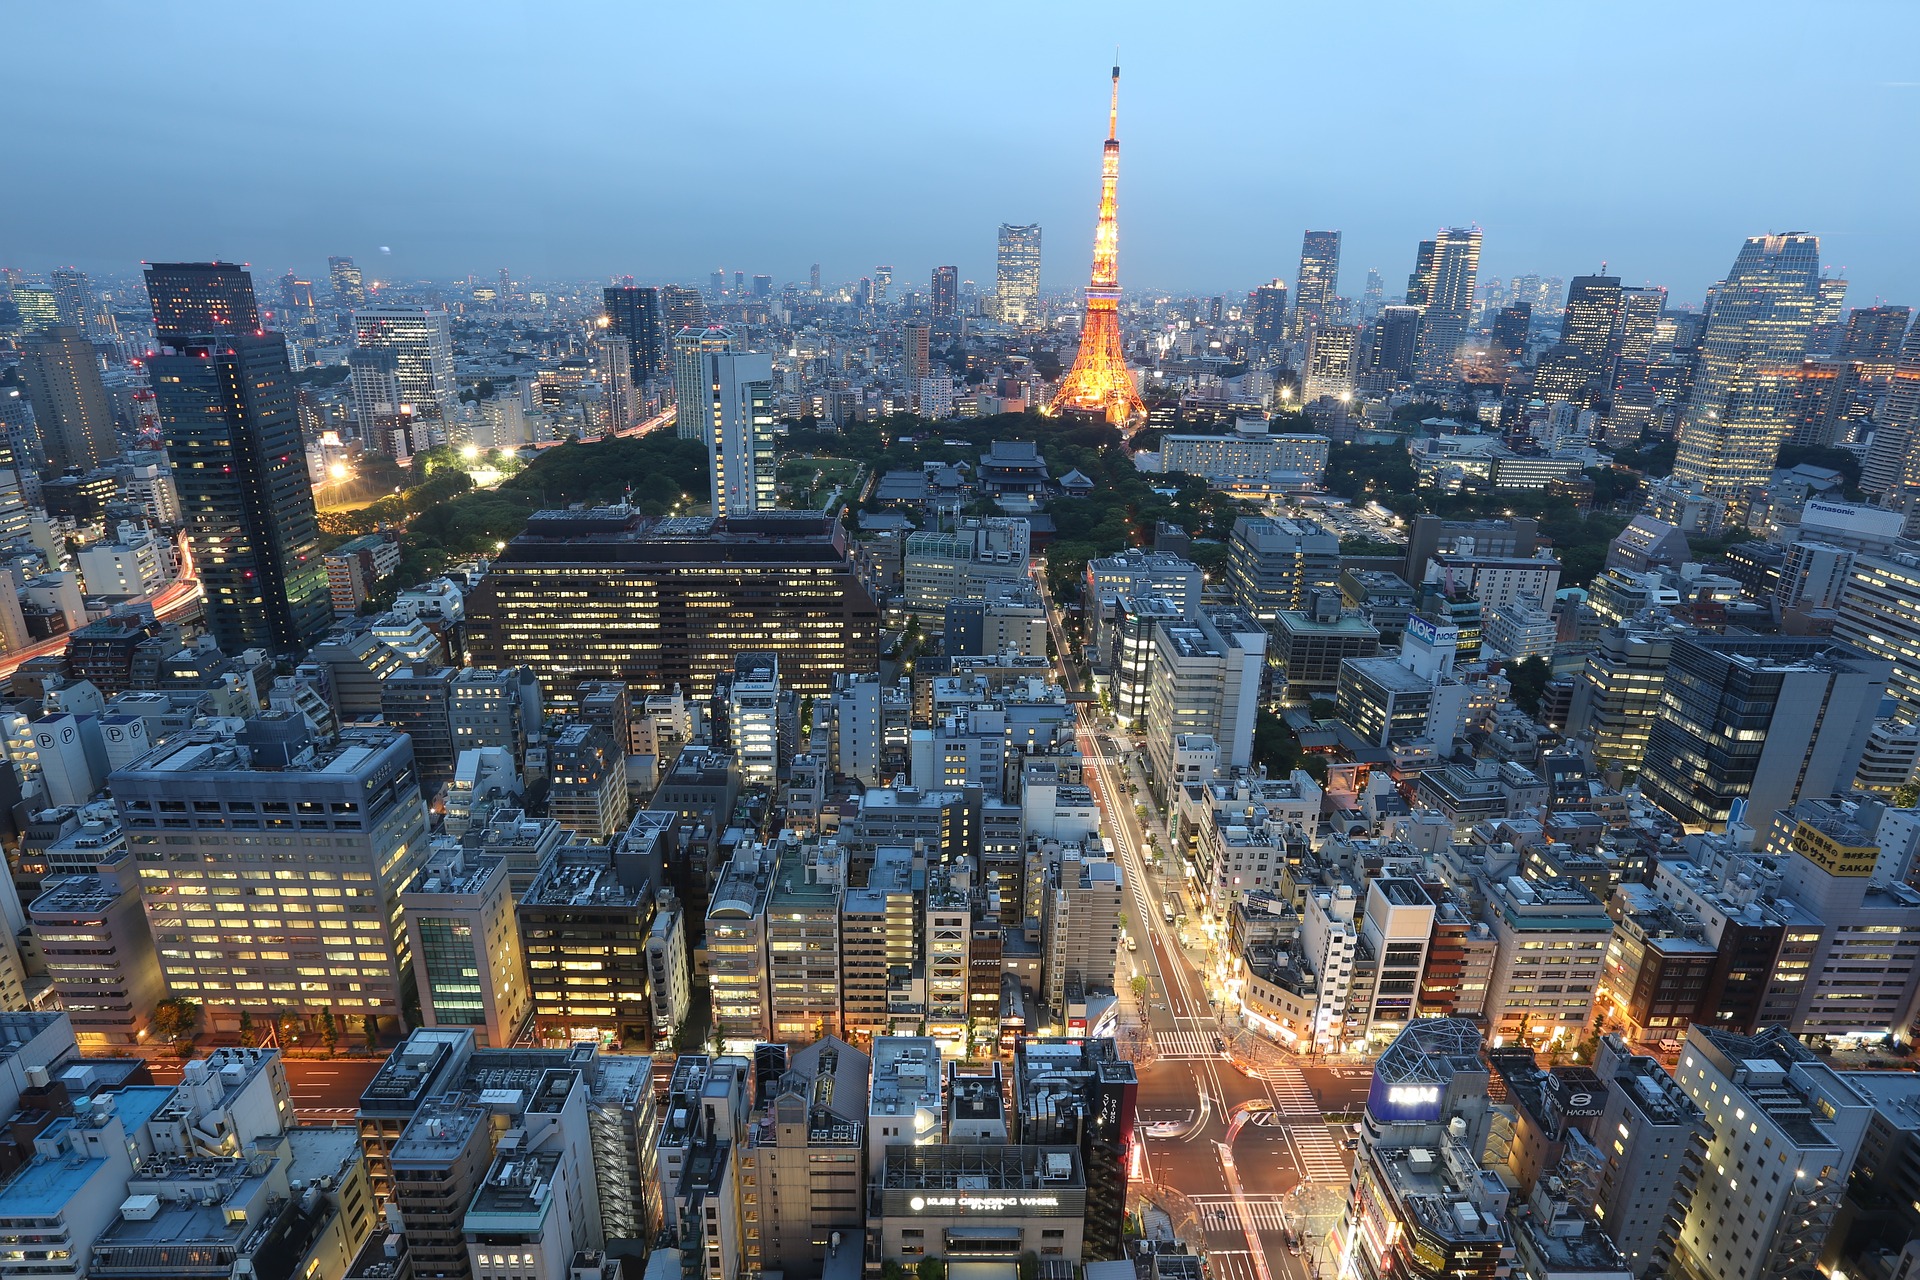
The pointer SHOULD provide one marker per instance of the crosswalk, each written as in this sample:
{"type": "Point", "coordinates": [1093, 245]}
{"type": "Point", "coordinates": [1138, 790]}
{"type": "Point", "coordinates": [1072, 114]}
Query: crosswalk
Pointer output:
{"type": "Point", "coordinates": [1317, 1154]}
{"type": "Point", "coordinates": [1186, 1044]}
{"type": "Point", "coordinates": [1294, 1100]}
{"type": "Point", "coordinates": [1219, 1213]}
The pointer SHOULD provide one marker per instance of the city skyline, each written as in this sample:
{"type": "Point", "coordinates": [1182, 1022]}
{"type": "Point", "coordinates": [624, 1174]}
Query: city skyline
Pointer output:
{"type": "Point", "coordinates": [1568, 195]}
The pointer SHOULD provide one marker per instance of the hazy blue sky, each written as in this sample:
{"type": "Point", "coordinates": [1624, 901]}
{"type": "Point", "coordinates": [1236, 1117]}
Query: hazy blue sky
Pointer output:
{"type": "Point", "coordinates": [663, 140]}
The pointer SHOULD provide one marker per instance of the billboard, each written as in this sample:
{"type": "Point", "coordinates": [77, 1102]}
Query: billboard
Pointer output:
{"type": "Point", "coordinates": [1407, 1102]}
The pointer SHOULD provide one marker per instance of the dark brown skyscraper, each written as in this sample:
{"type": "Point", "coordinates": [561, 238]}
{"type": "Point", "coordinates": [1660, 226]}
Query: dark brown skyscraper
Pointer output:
{"type": "Point", "coordinates": [69, 400]}
{"type": "Point", "coordinates": [200, 297]}
{"type": "Point", "coordinates": [946, 290]}
{"type": "Point", "coordinates": [610, 595]}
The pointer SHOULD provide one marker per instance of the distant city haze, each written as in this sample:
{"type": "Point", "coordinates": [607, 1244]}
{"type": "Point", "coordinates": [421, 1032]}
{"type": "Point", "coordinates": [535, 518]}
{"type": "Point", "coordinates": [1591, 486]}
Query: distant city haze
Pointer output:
{"type": "Point", "coordinates": [576, 141]}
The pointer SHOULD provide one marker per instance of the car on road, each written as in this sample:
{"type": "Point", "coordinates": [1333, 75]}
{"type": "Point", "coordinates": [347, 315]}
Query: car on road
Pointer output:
{"type": "Point", "coordinates": [1133, 943]}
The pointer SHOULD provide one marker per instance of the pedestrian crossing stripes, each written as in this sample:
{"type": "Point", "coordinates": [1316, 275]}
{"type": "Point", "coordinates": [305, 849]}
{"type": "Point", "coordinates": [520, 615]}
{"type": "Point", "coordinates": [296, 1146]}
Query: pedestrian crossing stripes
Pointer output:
{"type": "Point", "coordinates": [1317, 1154]}
{"type": "Point", "coordinates": [1291, 1095]}
{"type": "Point", "coordinates": [1186, 1044]}
{"type": "Point", "coordinates": [1219, 1213]}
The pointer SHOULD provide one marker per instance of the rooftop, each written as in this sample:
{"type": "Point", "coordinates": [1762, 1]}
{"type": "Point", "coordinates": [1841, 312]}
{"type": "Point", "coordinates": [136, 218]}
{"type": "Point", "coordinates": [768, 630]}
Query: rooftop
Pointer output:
{"type": "Point", "coordinates": [517, 1192]}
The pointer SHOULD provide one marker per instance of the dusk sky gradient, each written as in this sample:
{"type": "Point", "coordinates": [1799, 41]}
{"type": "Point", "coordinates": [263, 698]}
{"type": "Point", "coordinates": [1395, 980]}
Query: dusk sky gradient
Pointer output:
{"type": "Point", "coordinates": [575, 141]}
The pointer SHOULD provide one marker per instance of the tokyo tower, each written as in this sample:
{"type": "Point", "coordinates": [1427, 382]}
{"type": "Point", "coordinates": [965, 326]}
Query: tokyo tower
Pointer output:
{"type": "Point", "coordinates": [1099, 384]}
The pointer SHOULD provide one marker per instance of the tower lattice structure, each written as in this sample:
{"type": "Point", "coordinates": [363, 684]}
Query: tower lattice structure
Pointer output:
{"type": "Point", "coordinates": [1098, 383]}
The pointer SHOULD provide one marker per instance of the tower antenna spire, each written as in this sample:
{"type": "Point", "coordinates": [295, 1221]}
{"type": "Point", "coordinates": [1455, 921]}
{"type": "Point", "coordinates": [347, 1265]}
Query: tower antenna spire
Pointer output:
{"type": "Point", "coordinates": [1099, 384]}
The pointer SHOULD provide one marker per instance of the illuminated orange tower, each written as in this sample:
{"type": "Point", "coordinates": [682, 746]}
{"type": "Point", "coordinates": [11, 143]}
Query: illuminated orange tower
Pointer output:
{"type": "Point", "coordinates": [1098, 383]}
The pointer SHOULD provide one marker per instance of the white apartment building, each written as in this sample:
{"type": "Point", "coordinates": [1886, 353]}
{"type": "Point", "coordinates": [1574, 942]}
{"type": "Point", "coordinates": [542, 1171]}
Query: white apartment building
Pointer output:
{"type": "Point", "coordinates": [1784, 1131]}
{"type": "Point", "coordinates": [1206, 680]}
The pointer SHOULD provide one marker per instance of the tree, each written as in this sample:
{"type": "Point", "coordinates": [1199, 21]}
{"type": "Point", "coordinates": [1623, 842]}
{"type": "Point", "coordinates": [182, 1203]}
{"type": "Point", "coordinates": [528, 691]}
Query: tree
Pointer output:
{"type": "Point", "coordinates": [892, 1270]}
{"type": "Point", "coordinates": [932, 1269]}
{"type": "Point", "coordinates": [1140, 986]}
{"type": "Point", "coordinates": [174, 1019]}
{"type": "Point", "coordinates": [1029, 1266]}
{"type": "Point", "coordinates": [1323, 709]}
{"type": "Point", "coordinates": [1529, 679]}
{"type": "Point", "coordinates": [329, 1032]}
{"type": "Point", "coordinates": [1274, 745]}
{"type": "Point", "coordinates": [370, 1032]}
{"type": "Point", "coordinates": [246, 1027]}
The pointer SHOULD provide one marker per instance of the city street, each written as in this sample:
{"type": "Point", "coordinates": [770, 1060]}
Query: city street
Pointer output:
{"type": "Point", "coordinates": [1232, 1152]}
{"type": "Point", "coordinates": [325, 1090]}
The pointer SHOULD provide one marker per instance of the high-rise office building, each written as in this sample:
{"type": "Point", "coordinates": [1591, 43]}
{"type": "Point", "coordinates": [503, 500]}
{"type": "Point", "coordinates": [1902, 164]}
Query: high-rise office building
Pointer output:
{"type": "Point", "coordinates": [226, 412]}
{"type": "Point", "coordinates": [1448, 274]}
{"type": "Point", "coordinates": [1758, 722]}
{"type": "Point", "coordinates": [421, 339]}
{"type": "Point", "coordinates": [1331, 359]}
{"type": "Point", "coordinates": [1741, 406]}
{"type": "Point", "coordinates": [360, 792]}
{"type": "Point", "coordinates": [609, 595]}
{"type": "Point", "coordinates": [38, 308]}
{"type": "Point", "coordinates": [1318, 280]}
{"type": "Point", "coordinates": [1588, 328]}
{"type": "Point", "coordinates": [634, 314]}
{"type": "Point", "coordinates": [1510, 328]}
{"type": "Point", "coordinates": [692, 345]}
{"type": "Point", "coordinates": [1873, 336]}
{"type": "Point", "coordinates": [946, 291]}
{"type": "Point", "coordinates": [344, 278]}
{"type": "Point", "coordinates": [379, 405]}
{"type": "Point", "coordinates": [1017, 274]}
{"type": "Point", "coordinates": [1394, 347]}
{"type": "Point", "coordinates": [726, 402]}
{"type": "Point", "coordinates": [882, 282]}
{"type": "Point", "coordinates": [1270, 314]}
{"type": "Point", "coordinates": [813, 278]}
{"type": "Point", "coordinates": [69, 399]}
{"type": "Point", "coordinates": [191, 298]}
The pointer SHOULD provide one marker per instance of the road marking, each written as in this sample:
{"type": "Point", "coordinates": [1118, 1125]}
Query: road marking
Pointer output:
{"type": "Point", "coordinates": [1290, 1091]}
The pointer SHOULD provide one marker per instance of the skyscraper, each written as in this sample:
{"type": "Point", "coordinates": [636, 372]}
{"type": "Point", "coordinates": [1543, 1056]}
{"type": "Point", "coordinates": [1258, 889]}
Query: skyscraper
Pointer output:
{"type": "Point", "coordinates": [1374, 296]}
{"type": "Point", "coordinates": [726, 401]}
{"type": "Point", "coordinates": [1270, 314]}
{"type": "Point", "coordinates": [1741, 406]}
{"type": "Point", "coordinates": [378, 402]}
{"type": "Point", "coordinates": [946, 290]}
{"type": "Point", "coordinates": [421, 340]}
{"type": "Point", "coordinates": [1099, 382]}
{"type": "Point", "coordinates": [73, 299]}
{"type": "Point", "coordinates": [916, 353]}
{"type": "Point", "coordinates": [1318, 281]}
{"type": "Point", "coordinates": [69, 400]}
{"type": "Point", "coordinates": [813, 278]}
{"type": "Point", "coordinates": [882, 281]}
{"type": "Point", "coordinates": [1893, 463]}
{"type": "Point", "coordinates": [344, 278]}
{"type": "Point", "coordinates": [689, 344]}
{"type": "Point", "coordinates": [1873, 336]}
{"type": "Point", "coordinates": [614, 355]}
{"type": "Point", "coordinates": [1757, 723]}
{"type": "Point", "coordinates": [1017, 274]}
{"type": "Point", "coordinates": [197, 298]}
{"type": "Point", "coordinates": [1450, 266]}
{"type": "Point", "coordinates": [634, 314]}
{"type": "Point", "coordinates": [682, 308]}
{"type": "Point", "coordinates": [226, 412]}
{"type": "Point", "coordinates": [1510, 334]}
